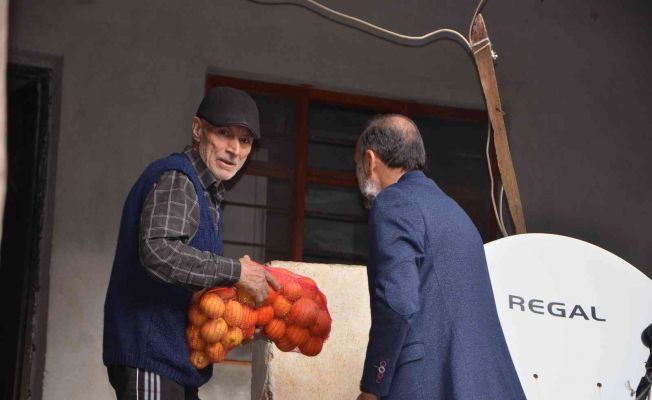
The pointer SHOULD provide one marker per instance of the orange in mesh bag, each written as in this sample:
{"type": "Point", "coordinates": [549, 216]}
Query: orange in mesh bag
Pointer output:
{"type": "Point", "coordinates": [295, 318]}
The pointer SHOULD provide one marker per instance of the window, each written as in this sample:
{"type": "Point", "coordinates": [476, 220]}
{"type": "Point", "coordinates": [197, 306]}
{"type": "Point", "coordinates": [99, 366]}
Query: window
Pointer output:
{"type": "Point", "coordinates": [297, 197]}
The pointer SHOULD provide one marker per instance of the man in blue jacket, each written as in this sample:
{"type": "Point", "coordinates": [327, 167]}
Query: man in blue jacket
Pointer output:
{"type": "Point", "coordinates": [435, 332]}
{"type": "Point", "coordinates": [170, 244]}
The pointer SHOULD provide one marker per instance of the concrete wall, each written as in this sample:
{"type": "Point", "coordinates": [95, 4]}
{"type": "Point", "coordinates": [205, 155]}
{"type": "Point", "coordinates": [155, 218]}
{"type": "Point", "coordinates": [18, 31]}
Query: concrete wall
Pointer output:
{"type": "Point", "coordinates": [574, 78]}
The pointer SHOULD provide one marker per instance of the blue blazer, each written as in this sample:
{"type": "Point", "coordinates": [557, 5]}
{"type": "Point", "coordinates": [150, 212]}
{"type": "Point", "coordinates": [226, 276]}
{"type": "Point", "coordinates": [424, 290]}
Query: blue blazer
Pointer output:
{"type": "Point", "coordinates": [435, 332]}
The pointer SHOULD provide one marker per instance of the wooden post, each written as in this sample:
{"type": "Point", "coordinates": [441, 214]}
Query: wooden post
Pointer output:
{"type": "Point", "coordinates": [482, 52]}
{"type": "Point", "coordinates": [303, 108]}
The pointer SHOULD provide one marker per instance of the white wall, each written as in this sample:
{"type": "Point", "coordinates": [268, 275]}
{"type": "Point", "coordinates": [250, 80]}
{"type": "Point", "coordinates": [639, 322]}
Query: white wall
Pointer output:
{"type": "Point", "coordinates": [574, 80]}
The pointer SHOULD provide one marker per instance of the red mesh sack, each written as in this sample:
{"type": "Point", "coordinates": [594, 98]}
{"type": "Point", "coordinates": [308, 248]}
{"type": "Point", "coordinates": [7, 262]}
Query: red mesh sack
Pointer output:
{"type": "Point", "coordinates": [295, 318]}
{"type": "Point", "coordinates": [301, 320]}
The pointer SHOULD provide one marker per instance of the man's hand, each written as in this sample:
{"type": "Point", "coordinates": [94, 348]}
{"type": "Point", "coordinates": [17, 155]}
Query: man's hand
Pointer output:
{"type": "Point", "coordinates": [367, 396]}
{"type": "Point", "coordinates": [254, 279]}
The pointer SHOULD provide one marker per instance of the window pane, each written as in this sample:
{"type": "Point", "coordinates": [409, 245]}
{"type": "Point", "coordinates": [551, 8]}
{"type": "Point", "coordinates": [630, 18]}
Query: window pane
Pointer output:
{"type": "Point", "coordinates": [335, 225]}
{"type": "Point", "coordinates": [278, 128]}
{"type": "Point", "coordinates": [456, 150]}
{"type": "Point", "coordinates": [332, 135]}
{"type": "Point", "coordinates": [346, 201]}
{"type": "Point", "coordinates": [278, 125]}
{"type": "Point", "coordinates": [335, 241]}
{"type": "Point", "coordinates": [326, 156]}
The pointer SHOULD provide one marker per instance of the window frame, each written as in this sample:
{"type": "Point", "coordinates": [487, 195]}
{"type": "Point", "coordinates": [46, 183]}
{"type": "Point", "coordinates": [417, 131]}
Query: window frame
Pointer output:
{"type": "Point", "coordinates": [303, 95]}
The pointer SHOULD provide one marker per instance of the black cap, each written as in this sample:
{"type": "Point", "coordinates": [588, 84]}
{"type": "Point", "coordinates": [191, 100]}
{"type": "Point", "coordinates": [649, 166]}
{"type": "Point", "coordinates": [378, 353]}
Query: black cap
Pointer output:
{"type": "Point", "coordinates": [225, 106]}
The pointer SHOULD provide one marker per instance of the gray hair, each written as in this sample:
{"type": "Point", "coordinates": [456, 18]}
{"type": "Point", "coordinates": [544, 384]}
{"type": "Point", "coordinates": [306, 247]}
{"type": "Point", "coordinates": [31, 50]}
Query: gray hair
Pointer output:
{"type": "Point", "coordinates": [397, 141]}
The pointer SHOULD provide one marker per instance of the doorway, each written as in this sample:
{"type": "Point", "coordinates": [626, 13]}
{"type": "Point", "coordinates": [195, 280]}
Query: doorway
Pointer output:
{"type": "Point", "coordinates": [29, 130]}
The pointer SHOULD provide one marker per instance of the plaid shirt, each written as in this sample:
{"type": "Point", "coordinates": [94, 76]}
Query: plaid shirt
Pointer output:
{"type": "Point", "coordinates": [168, 222]}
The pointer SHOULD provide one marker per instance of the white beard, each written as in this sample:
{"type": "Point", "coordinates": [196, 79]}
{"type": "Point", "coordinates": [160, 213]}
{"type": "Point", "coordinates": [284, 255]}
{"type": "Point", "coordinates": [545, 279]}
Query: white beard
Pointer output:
{"type": "Point", "coordinates": [368, 188]}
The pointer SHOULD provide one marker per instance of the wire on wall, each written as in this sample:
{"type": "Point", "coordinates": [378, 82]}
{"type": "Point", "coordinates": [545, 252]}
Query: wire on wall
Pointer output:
{"type": "Point", "coordinates": [386, 34]}
{"type": "Point", "coordinates": [497, 213]}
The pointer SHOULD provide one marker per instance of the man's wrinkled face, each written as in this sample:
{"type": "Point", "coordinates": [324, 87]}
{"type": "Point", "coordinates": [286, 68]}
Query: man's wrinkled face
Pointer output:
{"type": "Point", "coordinates": [368, 187]}
{"type": "Point", "coordinates": [224, 149]}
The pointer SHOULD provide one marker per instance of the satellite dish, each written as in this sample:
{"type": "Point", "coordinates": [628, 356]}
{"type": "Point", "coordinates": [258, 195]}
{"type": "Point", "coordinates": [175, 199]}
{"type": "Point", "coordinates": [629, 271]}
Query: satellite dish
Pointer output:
{"type": "Point", "coordinates": [572, 314]}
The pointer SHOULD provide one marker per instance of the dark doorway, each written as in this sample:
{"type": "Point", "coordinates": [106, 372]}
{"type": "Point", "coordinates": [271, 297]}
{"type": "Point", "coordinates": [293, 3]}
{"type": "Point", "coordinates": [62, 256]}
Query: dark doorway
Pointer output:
{"type": "Point", "coordinates": [28, 135]}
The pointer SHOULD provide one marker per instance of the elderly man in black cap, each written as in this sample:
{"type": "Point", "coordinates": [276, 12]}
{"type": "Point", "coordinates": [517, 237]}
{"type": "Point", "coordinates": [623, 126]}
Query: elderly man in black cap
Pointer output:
{"type": "Point", "coordinates": [170, 244]}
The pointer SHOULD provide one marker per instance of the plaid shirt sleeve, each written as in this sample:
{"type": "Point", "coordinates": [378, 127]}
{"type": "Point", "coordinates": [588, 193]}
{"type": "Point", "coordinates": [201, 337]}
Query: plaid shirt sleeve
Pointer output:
{"type": "Point", "coordinates": [168, 222]}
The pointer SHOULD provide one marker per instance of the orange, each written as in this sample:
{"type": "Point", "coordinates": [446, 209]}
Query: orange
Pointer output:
{"type": "Point", "coordinates": [233, 313]}
{"type": "Point", "coordinates": [199, 359]}
{"type": "Point", "coordinates": [196, 317]}
{"type": "Point", "coordinates": [248, 317]}
{"type": "Point", "coordinates": [233, 338]}
{"type": "Point", "coordinates": [195, 342]}
{"type": "Point", "coordinates": [304, 312]}
{"type": "Point", "coordinates": [322, 326]}
{"type": "Point", "coordinates": [215, 352]}
{"type": "Point", "coordinates": [292, 290]}
{"type": "Point", "coordinates": [284, 344]}
{"type": "Point", "coordinates": [264, 314]}
{"type": "Point", "coordinates": [312, 346]}
{"type": "Point", "coordinates": [213, 330]}
{"type": "Point", "coordinates": [212, 305]}
{"type": "Point", "coordinates": [281, 306]}
{"type": "Point", "coordinates": [226, 293]}
{"type": "Point", "coordinates": [297, 335]}
{"type": "Point", "coordinates": [275, 329]}
{"type": "Point", "coordinates": [245, 298]}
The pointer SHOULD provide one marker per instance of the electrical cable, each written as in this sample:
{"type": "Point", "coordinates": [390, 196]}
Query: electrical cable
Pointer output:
{"type": "Point", "coordinates": [475, 14]}
{"type": "Point", "coordinates": [498, 215]}
{"type": "Point", "coordinates": [403, 40]}
{"type": "Point", "coordinates": [500, 206]}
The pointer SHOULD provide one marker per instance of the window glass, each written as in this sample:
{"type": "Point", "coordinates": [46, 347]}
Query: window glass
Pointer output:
{"type": "Point", "coordinates": [335, 225]}
{"type": "Point", "coordinates": [332, 135]}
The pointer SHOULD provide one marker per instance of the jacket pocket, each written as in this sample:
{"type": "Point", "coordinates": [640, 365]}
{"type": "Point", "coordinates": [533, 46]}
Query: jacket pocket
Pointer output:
{"type": "Point", "coordinates": [411, 352]}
